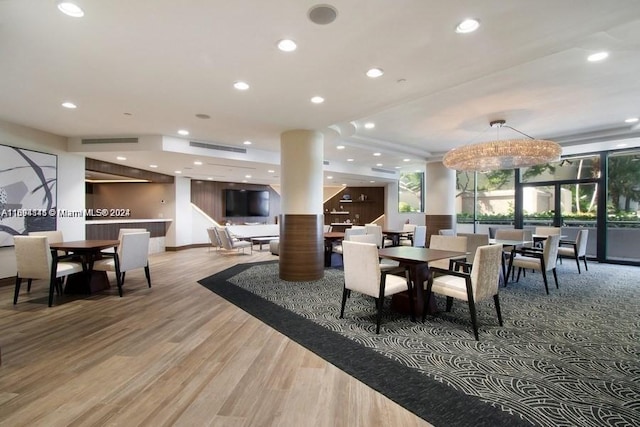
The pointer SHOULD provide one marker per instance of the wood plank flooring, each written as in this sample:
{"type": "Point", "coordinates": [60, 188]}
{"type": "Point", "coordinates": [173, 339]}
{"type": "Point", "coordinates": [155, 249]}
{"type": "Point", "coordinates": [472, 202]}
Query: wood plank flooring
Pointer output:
{"type": "Point", "coordinates": [173, 355]}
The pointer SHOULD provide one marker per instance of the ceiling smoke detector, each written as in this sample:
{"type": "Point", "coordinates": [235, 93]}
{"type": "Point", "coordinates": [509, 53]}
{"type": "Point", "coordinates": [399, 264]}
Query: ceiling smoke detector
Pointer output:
{"type": "Point", "coordinates": [322, 14]}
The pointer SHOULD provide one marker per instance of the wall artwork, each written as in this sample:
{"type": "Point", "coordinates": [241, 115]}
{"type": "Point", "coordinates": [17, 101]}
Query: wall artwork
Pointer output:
{"type": "Point", "coordinates": [28, 192]}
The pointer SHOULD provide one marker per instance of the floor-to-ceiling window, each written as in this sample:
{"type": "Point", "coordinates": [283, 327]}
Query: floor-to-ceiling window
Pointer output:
{"type": "Point", "coordinates": [623, 207]}
{"type": "Point", "coordinates": [599, 192]}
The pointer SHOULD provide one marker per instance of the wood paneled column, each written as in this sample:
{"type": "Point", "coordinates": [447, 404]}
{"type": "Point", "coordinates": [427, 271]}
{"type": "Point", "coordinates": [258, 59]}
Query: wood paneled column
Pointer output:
{"type": "Point", "coordinates": [440, 198]}
{"type": "Point", "coordinates": [301, 231]}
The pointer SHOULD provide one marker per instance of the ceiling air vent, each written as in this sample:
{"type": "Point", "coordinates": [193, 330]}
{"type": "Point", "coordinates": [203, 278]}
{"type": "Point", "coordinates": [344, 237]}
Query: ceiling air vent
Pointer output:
{"type": "Point", "coordinates": [110, 140]}
{"type": "Point", "coordinates": [325, 162]}
{"type": "Point", "coordinates": [217, 147]}
{"type": "Point", "coordinates": [387, 171]}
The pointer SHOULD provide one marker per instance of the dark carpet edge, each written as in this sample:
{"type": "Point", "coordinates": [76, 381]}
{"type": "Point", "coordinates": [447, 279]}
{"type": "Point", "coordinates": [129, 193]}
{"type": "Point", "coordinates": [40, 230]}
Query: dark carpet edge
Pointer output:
{"type": "Point", "coordinates": [431, 400]}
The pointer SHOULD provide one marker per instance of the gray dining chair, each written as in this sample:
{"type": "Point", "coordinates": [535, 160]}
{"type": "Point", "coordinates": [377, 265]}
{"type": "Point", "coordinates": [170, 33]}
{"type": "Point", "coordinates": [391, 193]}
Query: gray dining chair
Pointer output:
{"type": "Point", "coordinates": [542, 260]}
{"type": "Point", "coordinates": [576, 249]}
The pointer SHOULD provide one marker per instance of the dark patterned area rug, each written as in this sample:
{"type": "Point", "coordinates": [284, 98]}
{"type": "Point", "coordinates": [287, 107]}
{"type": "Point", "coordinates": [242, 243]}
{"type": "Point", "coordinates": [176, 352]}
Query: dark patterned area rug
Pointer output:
{"type": "Point", "coordinates": [571, 358]}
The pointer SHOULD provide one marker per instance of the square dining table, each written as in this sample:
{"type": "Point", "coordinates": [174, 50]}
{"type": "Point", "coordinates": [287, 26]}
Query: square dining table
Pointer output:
{"type": "Point", "coordinates": [417, 259]}
{"type": "Point", "coordinates": [88, 251]}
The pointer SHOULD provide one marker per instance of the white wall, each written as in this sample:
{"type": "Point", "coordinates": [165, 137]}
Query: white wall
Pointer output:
{"type": "Point", "coordinates": [70, 182]}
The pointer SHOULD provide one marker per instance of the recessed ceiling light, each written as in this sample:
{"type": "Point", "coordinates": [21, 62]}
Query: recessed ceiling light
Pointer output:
{"type": "Point", "coordinates": [406, 160]}
{"type": "Point", "coordinates": [469, 25]}
{"type": "Point", "coordinates": [378, 164]}
{"type": "Point", "coordinates": [377, 154]}
{"type": "Point", "coordinates": [375, 72]}
{"type": "Point", "coordinates": [340, 147]}
{"type": "Point", "coordinates": [69, 105]}
{"type": "Point", "coordinates": [621, 145]}
{"type": "Point", "coordinates": [317, 100]}
{"type": "Point", "coordinates": [178, 172]}
{"type": "Point", "coordinates": [397, 167]}
{"type": "Point", "coordinates": [631, 120]}
{"type": "Point", "coordinates": [183, 132]}
{"type": "Point", "coordinates": [241, 85]}
{"type": "Point", "coordinates": [271, 171]}
{"type": "Point", "coordinates": [210, 178]}
{"type": "Point", "coordinates": [121, 158]}
{"type": "Point", "coordinates": [369, 125]}
{"type": "Point", "coordinates": [70, 9]}
{"type": "Point", "coordinates": [349, 160]}
{"type": "Point", "coordinates": [244, 181]}
{"type": "Point", "coordinates": [330, 177]}
{"type": "Point", "coordinates": [344, 185]}
{"type": "Point", "coordinates": [372, 182]}
{"type": "Point", "coordinates": [287, 45]}
{"type": "Point", "coordinates": [599, 56]}
{"type": "Point", "coordinates": [247, 176]}
{"type": "Point", "coordinates": [153, 166]}
{"type": "Point", "coordinates": [247, 143]}
{"type": "Point", "coordinates": [197, 163]}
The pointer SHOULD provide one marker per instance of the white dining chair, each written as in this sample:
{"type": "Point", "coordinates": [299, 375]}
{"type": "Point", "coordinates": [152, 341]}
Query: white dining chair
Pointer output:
{"type": "Point", "coordinates": [36, 260]}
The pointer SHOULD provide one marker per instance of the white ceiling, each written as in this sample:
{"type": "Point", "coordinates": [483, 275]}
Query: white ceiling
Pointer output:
{"type": "Point", "coordinates": [138, 68]}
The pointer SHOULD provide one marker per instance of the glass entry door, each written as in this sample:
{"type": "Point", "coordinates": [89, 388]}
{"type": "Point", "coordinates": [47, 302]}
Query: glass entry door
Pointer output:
{"type": "Point", "coordinates": [623, 207]}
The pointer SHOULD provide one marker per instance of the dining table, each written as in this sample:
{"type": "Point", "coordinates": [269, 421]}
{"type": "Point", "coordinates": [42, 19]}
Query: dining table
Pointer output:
{"type": "Point", "coordinates": [330, 237]}
{"type": "Point", "coordinates": [87, 251]}
{"type": "Point", "coordinates": [417, 260]}
{"type": "Point", "coordinates": [394, 235]}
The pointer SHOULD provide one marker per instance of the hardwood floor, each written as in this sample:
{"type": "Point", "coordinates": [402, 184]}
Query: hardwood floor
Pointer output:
{"type": "Point", "coordinates": [175, 354]}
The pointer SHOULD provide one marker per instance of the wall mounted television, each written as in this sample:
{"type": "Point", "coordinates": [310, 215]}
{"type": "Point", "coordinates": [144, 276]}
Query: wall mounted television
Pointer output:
{"type": "Point", "coordinates": [246, 203]}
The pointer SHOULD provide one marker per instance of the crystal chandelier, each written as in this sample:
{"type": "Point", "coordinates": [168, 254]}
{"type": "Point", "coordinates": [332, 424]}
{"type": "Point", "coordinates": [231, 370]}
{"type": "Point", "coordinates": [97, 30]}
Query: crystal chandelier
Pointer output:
{"type": "Point", "coordinates": [502, 154]}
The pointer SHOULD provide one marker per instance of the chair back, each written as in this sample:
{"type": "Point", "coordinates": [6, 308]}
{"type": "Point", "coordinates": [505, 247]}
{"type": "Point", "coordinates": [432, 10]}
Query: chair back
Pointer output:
{"type": "Point", "coordinates": [52, 236]}
{"type": "Point", "coordinates": [510, 234]}
{"type": "Point", "coordinates": [225, 239]}
{"type": "Point", "coordinates": [474, 241]}
{"type": "Point", "coordinates": [409, 228]}
{"type": "Point", "coordinates": [33, 257]}
{"type": "Point", "coordinates": [352, 231]}
{"type": "Point", "coordinates": [547, 231]}
{"type": "Point", "coordinates": [447, 243]}
{"type": "Point", "coordinates": [213, 237]}
{"type": "Point", "coordinates": [447, 232]}
{"type": "Point", "coordinates": [485, 273]}
{"type": "Point", "coordinates": [581, 242]}
{"type": "Point", "coordinates": [133, 251]}
{"type": "Point", "coordinates": [361, 267]}
{"type": "Point", "coordinates": [420, 236]}
{"type": "Point", "coordinates": [376, 230]}
{"type": "Point", "coordinates": [550, 251]}
{"type": "Point", "coordinates": [129, 230]}
{"type": "Point", "coordinates": [365, 238]}
{"type": "Point", "coordinates": [326, 228]}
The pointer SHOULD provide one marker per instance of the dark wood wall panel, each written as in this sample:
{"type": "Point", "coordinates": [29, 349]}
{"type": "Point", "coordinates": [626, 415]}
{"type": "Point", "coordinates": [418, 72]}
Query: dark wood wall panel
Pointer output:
{"type": "Point", "coordinates": [435, 223]}
{"type": "Point", "coordinates": [301, 248]}
{"type": "Point", "coordinates": [110, 231]}
{"type": "Point", "coordinates": [360, 211]}
{"type": "Point", "coordinates": [209, 196]}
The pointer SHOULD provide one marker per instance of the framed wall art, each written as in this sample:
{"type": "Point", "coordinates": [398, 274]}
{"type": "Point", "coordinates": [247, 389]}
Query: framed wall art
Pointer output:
{"type": "Point", "coordinates": [28, 192]}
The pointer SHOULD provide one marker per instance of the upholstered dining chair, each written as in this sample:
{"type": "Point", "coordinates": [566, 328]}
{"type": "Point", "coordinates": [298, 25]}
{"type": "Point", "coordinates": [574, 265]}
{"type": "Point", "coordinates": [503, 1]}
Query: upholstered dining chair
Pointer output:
{"type": "Point", "coordinates": [351, 231]}
{"type": "Point", "coordinates": [474, 241]}
{"type": "Point", "coordinates": [36, 260]}
{"type": "Point", "coordinates": [419, 236]}
{"type": "Point", "coordinates": [543, 260]}
{"type": "Point", "coordinates": [575, 249]}
{"type": "Point", "coordinates": [472, 286]}
{"type": "Point", "coordinates": [385, 264]}
{"type": "Point", "coordinates": [229, 243]}
{"type": "Point", "coordinates": [53, 236]}
{"type": "Point", "coordinates": [132, 254]}
{"type": "Point", "coordinates": [409, 229]}
{"type": "Point", "coordinates": [376, 230]}
{"type": "Point", "coordinates": [447, 243]}
{"type": "Point", "coordinates": [362, 274]}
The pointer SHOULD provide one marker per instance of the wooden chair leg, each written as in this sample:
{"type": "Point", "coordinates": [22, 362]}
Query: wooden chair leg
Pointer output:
{"type": "Point", "coordinates": [546, 284]}
{"type": "Point", "coordinates": [585, 263]}
{"type": "Point", "coordinates": [555, 277]}
{"type": "Point", "coordinates": [449, 303]}
{"type": "Point", "coordinates": [496, 300]}
{"type": "Point", "coordinates": [345, 292]}
{"type": "Point", "coordinates": [578, 264]}
{"type": "Point", "coordinates": [147, 273]}
{"type": "Point", "coordinates": [379, 303]}
{"type": "Point", "coordinates": [17, 290]}
{"type": "Point", "coordinates": [29, 285]}
{"type": "Point", "coordinates": [474, 320]}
